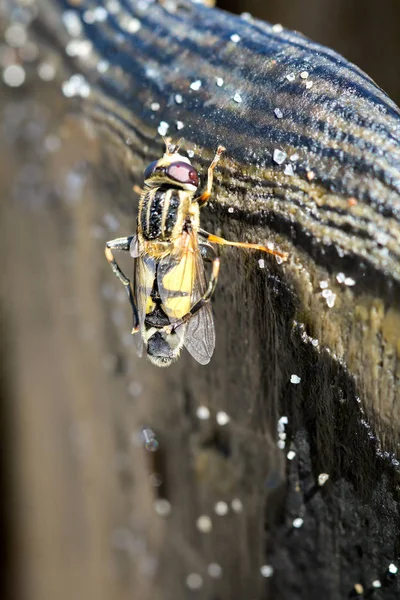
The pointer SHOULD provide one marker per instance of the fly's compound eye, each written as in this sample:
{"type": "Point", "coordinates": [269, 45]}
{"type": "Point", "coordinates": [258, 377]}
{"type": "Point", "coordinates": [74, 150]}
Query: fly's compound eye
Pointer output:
{"type": "Point", "coordinates": [183, 173]}
{"type": "Point", "coordinates": [150, 170]}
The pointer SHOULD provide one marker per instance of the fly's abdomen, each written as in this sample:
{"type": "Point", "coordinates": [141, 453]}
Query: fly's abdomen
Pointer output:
{"type": "Point", "coordinates": [160, 213]}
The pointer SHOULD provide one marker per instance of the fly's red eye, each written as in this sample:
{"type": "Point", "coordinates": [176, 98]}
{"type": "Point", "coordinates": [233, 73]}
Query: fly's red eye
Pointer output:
{"type": "Point", "coordinates": [150, 170]}
{"type": "Point", "coordinates": [183, 173]}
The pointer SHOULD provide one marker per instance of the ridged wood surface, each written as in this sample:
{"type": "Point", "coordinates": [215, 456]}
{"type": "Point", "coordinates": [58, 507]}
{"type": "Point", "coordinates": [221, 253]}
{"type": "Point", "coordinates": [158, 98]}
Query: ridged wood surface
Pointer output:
{"type": "Point", "coordinates": [335, 211]}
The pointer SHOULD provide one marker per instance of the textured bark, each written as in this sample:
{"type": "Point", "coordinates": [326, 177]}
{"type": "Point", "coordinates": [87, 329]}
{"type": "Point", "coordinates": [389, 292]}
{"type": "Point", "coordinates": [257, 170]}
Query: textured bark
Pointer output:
{"type": "Point", "coordinates": [82, 514]}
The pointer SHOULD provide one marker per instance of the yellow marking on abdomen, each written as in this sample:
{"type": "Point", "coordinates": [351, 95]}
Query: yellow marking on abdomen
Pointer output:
{"type": "Point", "coordinates": [180, 279]}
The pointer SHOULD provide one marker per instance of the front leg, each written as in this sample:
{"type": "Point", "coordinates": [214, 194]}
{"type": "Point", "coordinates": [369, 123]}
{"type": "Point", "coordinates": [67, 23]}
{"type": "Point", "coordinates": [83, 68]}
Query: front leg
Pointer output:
{"type": "Point", "coordinates": [203, 199]}
{"type": "Point", "coordinates": [124, 244]}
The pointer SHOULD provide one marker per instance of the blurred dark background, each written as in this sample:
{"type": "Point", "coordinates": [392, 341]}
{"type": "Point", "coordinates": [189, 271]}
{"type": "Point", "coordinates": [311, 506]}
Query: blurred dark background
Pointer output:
{"type": "Point", "coordinates": [366, 32]}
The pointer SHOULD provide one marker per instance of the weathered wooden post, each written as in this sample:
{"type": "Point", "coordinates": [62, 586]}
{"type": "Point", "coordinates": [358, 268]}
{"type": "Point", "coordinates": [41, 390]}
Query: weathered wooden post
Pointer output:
{"type": "Point", "coordinates": [231, 499]}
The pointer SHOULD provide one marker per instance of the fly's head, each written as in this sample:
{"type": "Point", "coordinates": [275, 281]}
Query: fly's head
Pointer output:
{"type": "Point", "coordinates": [172, 169]}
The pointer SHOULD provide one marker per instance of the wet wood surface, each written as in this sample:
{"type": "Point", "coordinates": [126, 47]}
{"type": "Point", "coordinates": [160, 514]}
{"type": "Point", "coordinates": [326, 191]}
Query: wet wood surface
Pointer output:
{"type": "Point", "coordinates": [305, 377]}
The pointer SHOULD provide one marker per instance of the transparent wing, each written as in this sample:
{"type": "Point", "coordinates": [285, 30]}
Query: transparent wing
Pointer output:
{"type": "Point", "coordinates": [134, 247]}
{"type": "Point", "coordinates": [200, 335]}
{"type": "Point", "coordinates": [181, 283]}
{"type": "Point", "coordinates": [144, 274]}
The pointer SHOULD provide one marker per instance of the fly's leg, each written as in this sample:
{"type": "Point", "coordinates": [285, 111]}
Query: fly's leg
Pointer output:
{"type": "Point", "coordinates": [214, 239]}
{"type": "Point", "coordinates": [122, 244]}
{"type": "Point", "coordinates": [203, 199]}
{"type": "Point", "coordinates": [206, 250]}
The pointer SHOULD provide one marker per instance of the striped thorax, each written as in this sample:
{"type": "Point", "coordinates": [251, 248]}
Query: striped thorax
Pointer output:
{"type": "Point", "coordinates": [166, 205]}
{"type": "Point", "coordinates": [163, 214]}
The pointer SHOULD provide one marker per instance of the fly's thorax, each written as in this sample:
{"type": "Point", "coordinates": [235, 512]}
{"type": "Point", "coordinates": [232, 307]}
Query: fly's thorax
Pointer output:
{"type": "Point", "coordinates": [163, 212]}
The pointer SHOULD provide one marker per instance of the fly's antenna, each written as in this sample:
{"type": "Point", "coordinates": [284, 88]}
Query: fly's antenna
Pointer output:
{"type": "Point", "coordinates": [178, 145]}
{"type": "Point", "coordinates": [171, 148]}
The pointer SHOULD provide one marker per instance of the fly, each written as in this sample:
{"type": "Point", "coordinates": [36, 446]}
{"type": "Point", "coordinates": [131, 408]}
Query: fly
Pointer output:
{"type": "Point", "coordinates": [170, 297]}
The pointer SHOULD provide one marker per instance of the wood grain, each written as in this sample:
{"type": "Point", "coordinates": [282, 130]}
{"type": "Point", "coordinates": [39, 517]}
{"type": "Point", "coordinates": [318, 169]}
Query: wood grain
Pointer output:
{"type": "Point", "coordinates": [84, 514]}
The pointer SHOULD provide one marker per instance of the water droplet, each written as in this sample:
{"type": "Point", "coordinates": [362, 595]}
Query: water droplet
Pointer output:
{"type": "Point", "coordinates": [162, 507]}
{"type": "Point", "coordinates": [322, 478]}
{"type": "Point", "coordinates": [279, 156]}
{"type": "Point", "coordinates": [267, 571]}
{"type": "Point", "coordinates": [195, 85]}
{"type": "Point", "coordinates": [16, 35]}
{"type": "Point", "coordinates": [340, 277]}
{"type": "Point", "coordinates": [194, 581]}
{"type": "Point", "coordinates": [14, 75]}
{"type": "Point", "coordinates": [72, 23]}
{"type": "Point", "coordinates": [163, 128]}
{"type": "Point", "coordinates": [295, 379]}
{"type": "Point", "coordinates": [204, 524]}
{"type": "Point", "coordinates": [100, 14]}
{"type": "Point", "coordinates": [298, 522]}
{"type": "Point", "coordinates": [103, 66]}
{"type": "Point", "coordinates": [349, 281]}
{"type": "Point", "coordinates": [150, 441]}
{"type": "Point", "coordinates": [237, 505]}
{"type": "Point", "coordinates": [46, 71]}
{"type": "Point", "coordinates": [203, 413]}
{"type": "Point", "coordinates": [289, 170]}
{"type": "Point", "coordinates": [214, 570]}
{"type": "Point", "coordinates": [80, 48]}
{"type": "Point", "coordinates": [222, 418]}
{"type": "Point", "coordinates": [221, 508]}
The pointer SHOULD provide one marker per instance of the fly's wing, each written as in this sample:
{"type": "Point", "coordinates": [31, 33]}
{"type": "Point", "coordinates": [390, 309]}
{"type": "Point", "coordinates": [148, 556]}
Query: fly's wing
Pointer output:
{"type": "Point", "coordinates": [181, 283]}
{"type": "Point", "coordinates": [144, 274]}
{"type": "Point", "coordinates": [134, 247]}
{"type": "Point", "coordinates": [200, 332]}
